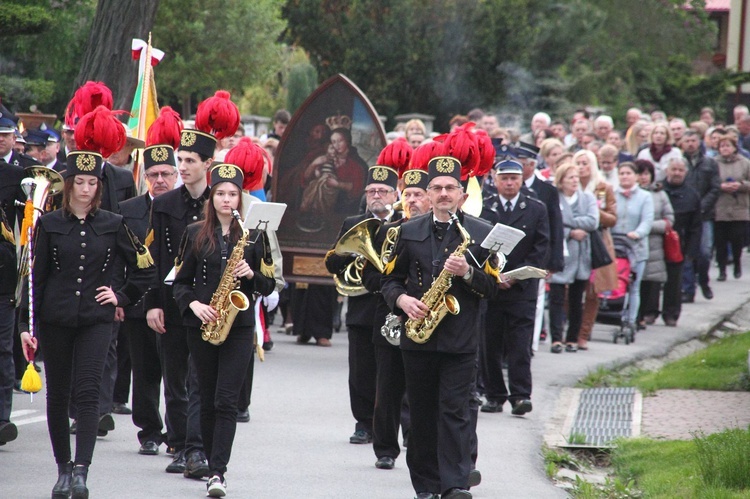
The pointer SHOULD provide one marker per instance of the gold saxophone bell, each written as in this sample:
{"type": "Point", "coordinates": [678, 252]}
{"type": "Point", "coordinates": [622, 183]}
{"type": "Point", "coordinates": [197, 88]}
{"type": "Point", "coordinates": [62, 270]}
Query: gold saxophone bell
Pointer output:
{"type": "Point", "coordinates": [357, 241]}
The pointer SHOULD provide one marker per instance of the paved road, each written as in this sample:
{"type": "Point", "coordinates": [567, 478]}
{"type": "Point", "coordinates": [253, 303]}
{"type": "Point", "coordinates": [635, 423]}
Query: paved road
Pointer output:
{"type": "Point", "coordinates": [296, 444]}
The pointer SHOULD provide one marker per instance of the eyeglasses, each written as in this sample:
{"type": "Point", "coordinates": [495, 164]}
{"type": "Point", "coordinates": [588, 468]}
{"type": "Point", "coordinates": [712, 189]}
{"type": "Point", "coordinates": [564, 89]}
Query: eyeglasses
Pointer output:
{"type": "Point", "coordinates": [448, 188]}
{"type": "Point", "coordinates": [155, 175]}
{"type": "Point", "coordinates": [379, 192]}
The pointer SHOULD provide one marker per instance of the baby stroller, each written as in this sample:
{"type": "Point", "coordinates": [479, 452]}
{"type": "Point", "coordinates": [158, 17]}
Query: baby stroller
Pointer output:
{"type": "Point", "coordinates": [614, 304]}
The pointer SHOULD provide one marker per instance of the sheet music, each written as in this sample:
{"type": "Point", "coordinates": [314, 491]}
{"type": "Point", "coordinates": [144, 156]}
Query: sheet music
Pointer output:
{"type": "Point", "coordinates": [264, 216]}
{"type": "Point", "coordinates": [502, 239]}
{"type": "Point", "coordinates": [527, 272]}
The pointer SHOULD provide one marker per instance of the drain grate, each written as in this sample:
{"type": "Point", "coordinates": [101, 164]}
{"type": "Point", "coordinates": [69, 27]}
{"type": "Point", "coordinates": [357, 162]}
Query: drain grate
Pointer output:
{"type": "Point", "coordinates": [603, 415]}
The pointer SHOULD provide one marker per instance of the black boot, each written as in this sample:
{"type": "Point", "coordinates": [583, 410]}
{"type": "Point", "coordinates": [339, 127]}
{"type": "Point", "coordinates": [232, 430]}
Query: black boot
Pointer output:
{"type": "Point", "coordinates": [78, 488]}
{"type": "Point", "coordinates": [61, 490]}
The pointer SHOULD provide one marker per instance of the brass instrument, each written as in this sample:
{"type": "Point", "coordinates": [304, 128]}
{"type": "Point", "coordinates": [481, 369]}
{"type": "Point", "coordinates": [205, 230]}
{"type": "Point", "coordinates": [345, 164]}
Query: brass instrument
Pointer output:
{"type": "Point", "coordinates": [357, 241]}
{"type": "Point", "coordinates": [391, 330]}
{"type": "Point", "coordinates": [437, 298]}
{"type": "Point", "coordinates": [41, 183]}
{"type": "Point", "coordinates": [227, 300]}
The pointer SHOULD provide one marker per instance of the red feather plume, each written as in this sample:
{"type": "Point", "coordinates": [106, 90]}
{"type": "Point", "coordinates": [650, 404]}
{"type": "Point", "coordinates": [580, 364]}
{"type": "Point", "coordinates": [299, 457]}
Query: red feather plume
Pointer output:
{"type": "Point", "coordinates": [165, 129]}
{"type": "Point", "coordinates": [249, 157]}
{"type": "Point", "coordinates": [424, 153]}
{"type": "Point", "coordinates": [87, 98]}
{"type": "Point", "coordinates": [218, 116]}
{"type": "Point", "coordinates": [486, 154]}
{"type": "Point", "coordinates": [397, 155]}
{"type": "Point", "coordinates": [463, 145]}
{"type": "Point", "coordinates": [100, 131]}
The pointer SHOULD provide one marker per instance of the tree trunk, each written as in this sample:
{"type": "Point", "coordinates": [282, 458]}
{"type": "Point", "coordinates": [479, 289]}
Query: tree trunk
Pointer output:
{"type": "Point", "coordinates": [108, 55]}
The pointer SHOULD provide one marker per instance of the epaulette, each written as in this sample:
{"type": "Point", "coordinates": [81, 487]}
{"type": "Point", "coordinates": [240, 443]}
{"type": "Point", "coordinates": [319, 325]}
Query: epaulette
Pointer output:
{"type": "Point", "coordinates": [267, 267]}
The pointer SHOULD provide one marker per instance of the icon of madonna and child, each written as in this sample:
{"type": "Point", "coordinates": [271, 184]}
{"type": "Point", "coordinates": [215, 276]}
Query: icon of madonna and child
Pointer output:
{"type": "Point", "coordinates": [330, 178]}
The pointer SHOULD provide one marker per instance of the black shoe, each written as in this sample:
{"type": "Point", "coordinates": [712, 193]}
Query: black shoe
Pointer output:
{"type": "Point", "coordinates": [216, 486]}
{"type": "Point", "coordinates": [196, 465]}
{"type": "Point", "coordinates": [78, 489]}
{"type": "Point", "coordinates": [686, 298]}
{"type": "Point", "coordinates": [8, 432]}
{"type": "Point", "coordinates": [120, 408]}
{"type": "Point", "coordinates": [149, 448]}
{"type": "Point", "coordinates": [385, 463]}
{"type": "Point", "coordinates": [456, 493]}
{"type": "Point", "coordinates": [521, 407]}
{"type": "Point", "coordinates": [492, 406]}
{"type": "Point", "coordinates": [73, 427]}
{"type": "Point", "coordinates": [573, 347]}
{"type": "Point", "coordinates": [475, 478]}
{"type": "Point", "coordinates": [556, 348]}
{"type": "Point", "coordinates": [17, 387]}
{"type": "Point", "coordinates": [61, 490]}
{"type": "Point", "coordinates": [707, 293]}
{"type": "Point", "coordinates": [722, 276]}
{"type": "Point", "coordinates": [737, 273]}
{"type": "Point", "coordinates": [427, 495]}
{"type": "Point", "coordinates": [106, 424]}
{"type": "Point", "coordinates": [267, 346]}
{"type": "Point", "coordinates": [170, 450]}
{"type": "Point", "coordinates": [178, 463]}
{"type": "Point", "coordinates": [360, 437]}
{"type": "Point", "coordinates": [243, 416]}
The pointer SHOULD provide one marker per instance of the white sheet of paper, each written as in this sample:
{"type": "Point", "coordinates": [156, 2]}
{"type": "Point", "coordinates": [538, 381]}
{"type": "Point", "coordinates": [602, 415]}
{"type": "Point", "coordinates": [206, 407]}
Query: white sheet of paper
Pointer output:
{"type": "Point", "coordinates": [502, 238]}
{"type": "Point", "coordinates": [527, 272]}
{"type": "Point", "coordinates": [170, 277]}
{"type": "Point", "coordinates": [264, 216]}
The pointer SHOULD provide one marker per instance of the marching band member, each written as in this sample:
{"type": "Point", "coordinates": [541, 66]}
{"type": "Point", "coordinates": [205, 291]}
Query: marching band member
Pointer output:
{"type": "Point", "coordinates": [75, 251]}
{"type": "Point", "coordinates": [221, 369]}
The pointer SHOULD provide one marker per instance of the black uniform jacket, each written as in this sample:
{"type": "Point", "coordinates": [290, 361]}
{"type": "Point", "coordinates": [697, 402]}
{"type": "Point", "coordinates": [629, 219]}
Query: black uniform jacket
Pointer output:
{"type": "Point", "coordinates": [200, 274]}
{"type": "Point", "coordinates": [530, 216]}
{"type": "Point", "coordinates": [171, 213]}
{"type": "Point", "coordinates": [118, 186]}
{"type": "Point", "coordinates": [10, 192]}
{"type": "Point", "coordinates": [371, 278]}
{"type": "Point", "coordinates": [22, 160]}
{"type": "Point", "coordinates": [73, 257]}
{"type": "Point", "coordinates": [135, 212]}
{"type": "Point", "coordinates": [412, 274]}
{"type": "Point", "coordinates": [361, 309]}
{"type": "Point", "coordinates": [547, 194]}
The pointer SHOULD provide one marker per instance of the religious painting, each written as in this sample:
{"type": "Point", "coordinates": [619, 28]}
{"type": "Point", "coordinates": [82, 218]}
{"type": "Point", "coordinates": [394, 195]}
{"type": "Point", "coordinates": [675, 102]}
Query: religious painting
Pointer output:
{"type": "Point", "coordinates": [321, 169]}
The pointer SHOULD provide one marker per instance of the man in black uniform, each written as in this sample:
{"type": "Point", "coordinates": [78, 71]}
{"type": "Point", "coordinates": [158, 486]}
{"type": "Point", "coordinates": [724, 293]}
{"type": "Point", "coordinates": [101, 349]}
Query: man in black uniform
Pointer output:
{"type": "Point", "coordinates": [390, 385]}
{"type": "Point", "coordinates": [381, 195]}
{"type": "Point", "coordinates": [161, 175]}
{"type": "Point", "coordinates": [44, 145]}
{"type": "Point", "coordinates": [171, 213]}
{"type": "Point", "coordinates": [509, 321]}
{"type": "Point", "coordinates": [11, 174]}
{"type": "Point", "coordinates": [440, 373]}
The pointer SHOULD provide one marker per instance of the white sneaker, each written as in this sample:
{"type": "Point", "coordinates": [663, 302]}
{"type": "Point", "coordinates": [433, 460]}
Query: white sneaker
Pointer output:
{"type": "Point", "coordinates": [216, 487]}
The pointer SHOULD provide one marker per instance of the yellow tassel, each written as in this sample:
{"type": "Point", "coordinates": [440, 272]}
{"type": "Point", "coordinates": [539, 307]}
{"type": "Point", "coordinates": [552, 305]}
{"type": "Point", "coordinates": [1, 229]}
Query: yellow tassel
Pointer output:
{"type": "Point", "coordinates": [144, 259]}
{"type": "Point", "coordinates": [266, 269]}
{"type": "Point", "coordinates": [149, 238]}
{"type": "Point", "coordinates": [31, 382]}
{"type": "Point", "coordinates": [28, 219]}
{"type": "Point", "coordinates": [261, 353]}
{"type": "Point", "coordinates": [177, 266]}
{"type": "Point", "coordinates": [489, 269]}
{"type": "Point", "coordinates": [390, 265]}
{"type": "Point", "coordinates": [7, 234]}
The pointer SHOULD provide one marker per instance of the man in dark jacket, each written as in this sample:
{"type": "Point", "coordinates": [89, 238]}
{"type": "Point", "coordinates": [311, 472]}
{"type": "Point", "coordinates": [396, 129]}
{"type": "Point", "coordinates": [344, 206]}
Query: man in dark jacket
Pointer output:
{"type": "Point", "coordinates": [703, 176]}
{"type": "Point", "coordinates": [687, 214]}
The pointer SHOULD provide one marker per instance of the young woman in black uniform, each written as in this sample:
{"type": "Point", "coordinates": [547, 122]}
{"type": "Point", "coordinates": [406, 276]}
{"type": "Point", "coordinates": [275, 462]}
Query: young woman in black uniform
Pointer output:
{"type": "Point", "coordinates": [207, 246]}
{"type": "Point", "coordinates": [76, 252]}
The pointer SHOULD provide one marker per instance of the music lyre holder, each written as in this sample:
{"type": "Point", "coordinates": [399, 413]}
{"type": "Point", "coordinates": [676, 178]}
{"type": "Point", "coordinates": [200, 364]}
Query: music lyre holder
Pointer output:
{"type": "Point", "coordinates": [264, 217]}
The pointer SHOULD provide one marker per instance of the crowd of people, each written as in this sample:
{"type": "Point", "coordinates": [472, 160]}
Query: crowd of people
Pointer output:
{"type": "Point", "coordinates": [635, 211]}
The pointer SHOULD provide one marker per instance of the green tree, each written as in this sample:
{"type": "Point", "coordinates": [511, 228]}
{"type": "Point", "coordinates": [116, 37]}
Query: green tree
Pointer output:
{"type": "Point", "coordinates": [302, 81]}
{"type": "Point", "coordinates": [215, 44]}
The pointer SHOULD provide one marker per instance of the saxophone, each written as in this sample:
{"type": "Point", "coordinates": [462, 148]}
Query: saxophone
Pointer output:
{"type": "Point", "coordinates": [437, 298]}
{"type": "Point", "coordinates": [227, 300]}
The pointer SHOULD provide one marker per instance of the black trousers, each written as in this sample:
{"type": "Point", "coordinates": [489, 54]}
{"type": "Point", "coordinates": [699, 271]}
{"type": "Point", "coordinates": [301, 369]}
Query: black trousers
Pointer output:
{"type": "Point", "coordinates": [221, 372]}
{"type": "Point", "coordinates": [508, 331]}
{"type": "Point", "coordinates": [672, 301]}
{"type": "Point", "coordinates": [85, 347]}
{"type": "Point", "coordinates": [650, 291]}
{"type": "Point", "coordinates": [7, 372]}
{"type": "Point", "coordinates": [362, 375]}
{"type": "Point", "coordinates": [390, 390]}
{"type": "Point", "coordinates": [438, 387]}
{"type": "Point", "coordinates": [246, 392]}
{"type": "Point", "coordinates": [144, 357]}
{"type": "Point", "coordinates": [557, 310]}
{"type": "Point", "coordinates": [108, 378]}
{"type": "Point", "coordinates": [181, 392]}
{"type": "Point", "coordinates": [312, 311]}
{"type": "Point", "coordinates": [121, 390]}
{"type": "Point", "coordinates": [733, 233]}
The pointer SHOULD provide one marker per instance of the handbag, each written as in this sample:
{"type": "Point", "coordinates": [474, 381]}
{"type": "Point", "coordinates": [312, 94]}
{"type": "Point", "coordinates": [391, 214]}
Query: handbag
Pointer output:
{"type": "Point", "coordinates": [599, 254]}
{"type": "Point", "coordinates": [672, 247]}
